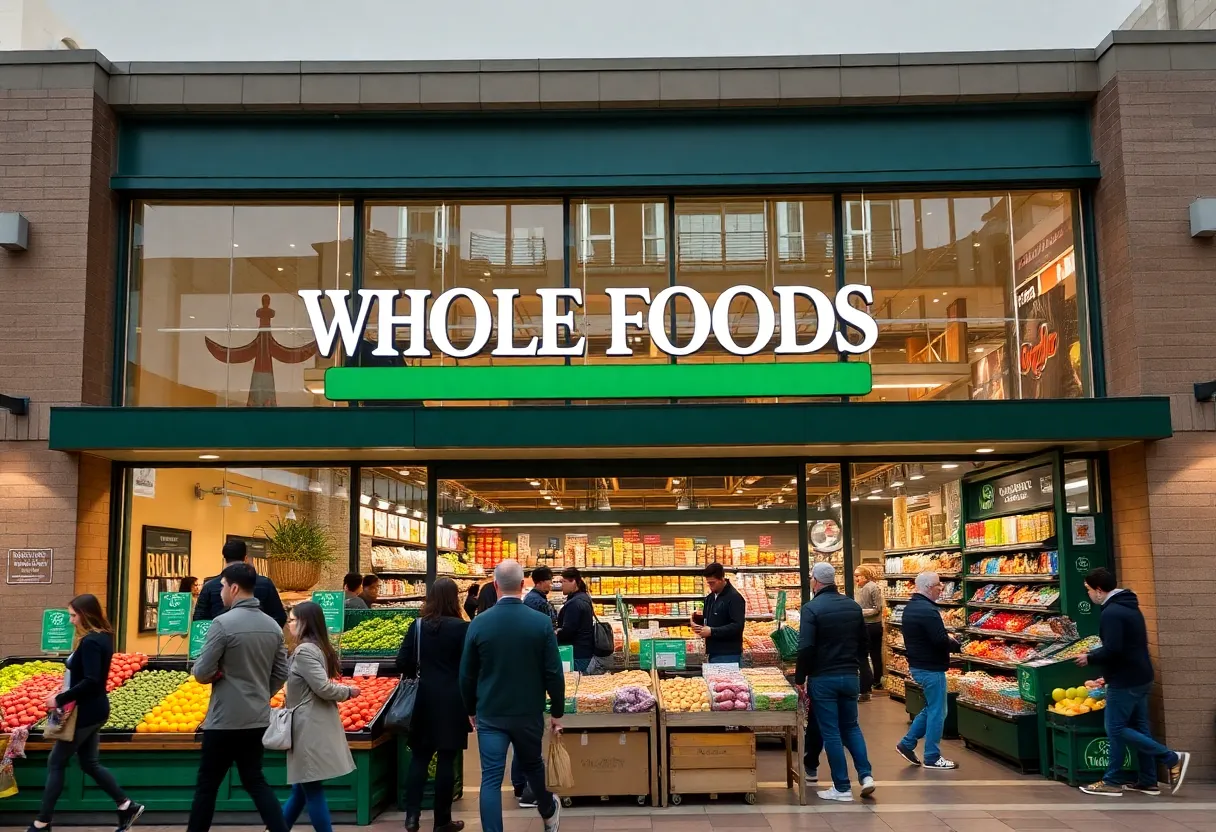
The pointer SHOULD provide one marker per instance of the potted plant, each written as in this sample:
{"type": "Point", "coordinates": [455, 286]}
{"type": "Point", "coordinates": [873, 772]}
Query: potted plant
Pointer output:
{"type": "Point", "coordinates": [296, 550]}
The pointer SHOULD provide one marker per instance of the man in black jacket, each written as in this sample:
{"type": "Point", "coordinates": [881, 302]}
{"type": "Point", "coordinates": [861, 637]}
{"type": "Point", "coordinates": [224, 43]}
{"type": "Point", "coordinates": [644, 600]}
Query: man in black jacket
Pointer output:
{"type": "Point", "coordinates": [1129, 680]}
{"type": "Point", "coordinates": [832, 644]}
{"type": "Point", "coordinates": [210, 605]}
{"type": "Point", "coordinates": [723, 619]}
{"type": "Point", "coordinates": [928, 646]}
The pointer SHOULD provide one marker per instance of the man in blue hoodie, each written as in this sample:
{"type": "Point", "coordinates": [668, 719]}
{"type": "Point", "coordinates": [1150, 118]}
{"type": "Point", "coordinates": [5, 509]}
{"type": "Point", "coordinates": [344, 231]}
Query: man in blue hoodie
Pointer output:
{"type": "Point", "coordinates": [1128, 670]}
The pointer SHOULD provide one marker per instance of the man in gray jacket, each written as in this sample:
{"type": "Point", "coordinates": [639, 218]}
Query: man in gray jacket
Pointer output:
{"type": "Point", "coordinates": [244, 659]}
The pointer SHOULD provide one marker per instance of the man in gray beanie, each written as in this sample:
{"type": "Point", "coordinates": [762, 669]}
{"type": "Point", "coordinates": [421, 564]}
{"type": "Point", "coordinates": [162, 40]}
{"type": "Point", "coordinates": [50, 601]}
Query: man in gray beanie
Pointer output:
{"type": "Point", "coordinates": [832, 644]}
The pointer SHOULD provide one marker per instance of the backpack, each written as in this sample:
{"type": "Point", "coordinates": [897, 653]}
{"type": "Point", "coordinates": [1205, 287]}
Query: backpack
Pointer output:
{"type": "Point", "coordinates": [604, 644]}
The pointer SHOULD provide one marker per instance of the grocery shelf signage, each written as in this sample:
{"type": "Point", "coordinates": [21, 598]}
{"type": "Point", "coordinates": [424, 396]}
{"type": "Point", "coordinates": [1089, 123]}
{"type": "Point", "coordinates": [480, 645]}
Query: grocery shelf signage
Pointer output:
{"type": "Point", "coordinates": [665, 654]}
{"type": "Point", "coordinates": [1013, 494]}
{"type": "Point", "coordinates": [58, 632]}
{"type": "Point", "coordinates": [173, 614]}
{"type": "Point", "coordinates": [333, 605]}
{"type": "Point", "coordinates": [198, 637]}
{"type": "Point", "coordinates": [344, 327]}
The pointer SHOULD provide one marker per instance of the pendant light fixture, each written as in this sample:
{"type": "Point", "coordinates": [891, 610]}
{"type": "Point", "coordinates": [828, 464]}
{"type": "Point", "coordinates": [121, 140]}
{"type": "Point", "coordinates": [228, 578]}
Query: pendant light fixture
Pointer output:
{"type": "Point", "coordinates": [224, 501]}
{"type": "Point", "coordinates": [315, 486]}
{"type": "Point", "coordinates": [341, 493]}
{"type": "Point", "coordinates": [253, 507]}
{"type": "Point", "coordinates": [291, 514]}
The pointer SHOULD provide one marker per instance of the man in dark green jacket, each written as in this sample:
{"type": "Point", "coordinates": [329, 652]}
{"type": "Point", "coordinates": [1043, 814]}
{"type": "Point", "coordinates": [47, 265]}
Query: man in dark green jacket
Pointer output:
{"type": "Point", "coordinates": [510, 663]}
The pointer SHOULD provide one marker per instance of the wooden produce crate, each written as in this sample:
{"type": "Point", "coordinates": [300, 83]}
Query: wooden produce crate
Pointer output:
{"type": "Point", "coordinates": [711, 763]}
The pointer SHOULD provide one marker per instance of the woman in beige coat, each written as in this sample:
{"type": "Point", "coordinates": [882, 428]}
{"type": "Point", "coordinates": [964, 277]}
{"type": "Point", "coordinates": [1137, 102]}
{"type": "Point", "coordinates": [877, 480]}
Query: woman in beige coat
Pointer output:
{"type": "Point", "coordinates": [319, 750]}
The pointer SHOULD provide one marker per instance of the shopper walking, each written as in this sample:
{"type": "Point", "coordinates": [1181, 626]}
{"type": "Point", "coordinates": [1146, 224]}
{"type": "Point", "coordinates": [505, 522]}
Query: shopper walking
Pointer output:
{"type": "Point", "coordinates": [210, 603]}
{"type": "Point", "coordinates": [869, 596]}
{"type": "Point", "coordinates": [510, 663]}
{"type": "Point", "coordinates": [576, 621]}
{"type": "Point", "coordinates": [352, 585]}
{"type": "Point", "coordinates": [88, 667]}
{"type": "Point", "coordinates": [319, 750]}
{"type": "Point", "coordinates": [927, 645]}
{"type": "Point", "coordinates": [831, 649]}
{"type": "Point", "coordinates": [244, 660]}
{"type": "Point", "coordinates": [470, 602]}
{"type": "Point", "coordinates": [432, 650]}
{"type": "Point", "coordinates": [1128, 671]}
{"type": "Point", "coordinates": [724, 614]}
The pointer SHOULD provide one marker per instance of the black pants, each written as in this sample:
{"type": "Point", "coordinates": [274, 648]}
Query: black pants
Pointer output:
{"type": "Point", "coordinates": [445, 782]}
{"type": "Point", "coordinates": [221, 750]}
{"type": "Point", "coordinates": [872, 676]}
{"type": "Point", "coordinates": [85, 745]}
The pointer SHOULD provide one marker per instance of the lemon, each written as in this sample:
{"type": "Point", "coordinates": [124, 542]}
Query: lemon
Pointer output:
{"type": "Point", "coordinates": [1059, 694]}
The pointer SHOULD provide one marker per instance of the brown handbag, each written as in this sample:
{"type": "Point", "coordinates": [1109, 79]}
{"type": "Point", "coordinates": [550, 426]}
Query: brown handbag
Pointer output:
{"type": "Point", "coordinates": [60, 725]}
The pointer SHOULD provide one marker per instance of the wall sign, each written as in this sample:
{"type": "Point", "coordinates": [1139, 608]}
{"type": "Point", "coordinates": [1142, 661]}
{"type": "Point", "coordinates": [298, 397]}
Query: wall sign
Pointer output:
{"type": "Point", "coordinates": [1083, 531]}
{"type": "Point", "coordinates": [30, 566]}
{"type": "Point", "coordinates": [164, 561]}
{"type": "Point", "coordinates": [143, 482]}
{"type": "Point", "coordinates": [1016, 493]}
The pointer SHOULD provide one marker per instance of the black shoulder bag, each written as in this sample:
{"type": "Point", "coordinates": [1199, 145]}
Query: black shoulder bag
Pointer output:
{"type": "Point", "coordinates": [401, 710]}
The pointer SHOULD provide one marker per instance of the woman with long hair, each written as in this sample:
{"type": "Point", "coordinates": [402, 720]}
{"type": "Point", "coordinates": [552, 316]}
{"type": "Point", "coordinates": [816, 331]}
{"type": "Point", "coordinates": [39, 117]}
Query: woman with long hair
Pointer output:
{"type": "Point", "coordinates": [84, 689]}
{"type": "Point", "coordinates": [440, 726]}
{"type": "Point", "coordinates": [319, 750]}
{"type": "Point", "coordinates": [869, 595]}
{"type": "Point", "coordinates": [576, 621]}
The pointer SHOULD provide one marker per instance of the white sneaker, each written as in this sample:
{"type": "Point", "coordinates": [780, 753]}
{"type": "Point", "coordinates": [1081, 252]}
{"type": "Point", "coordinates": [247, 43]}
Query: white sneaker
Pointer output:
{"type": "Point", "coordinates": [868, 786]}
{"type": "Point", "coordinates": [552, 823]}
{"type": "Point", "coordinates": [942, 764]}
{"type": "Point", "coordinates": [832, 794]}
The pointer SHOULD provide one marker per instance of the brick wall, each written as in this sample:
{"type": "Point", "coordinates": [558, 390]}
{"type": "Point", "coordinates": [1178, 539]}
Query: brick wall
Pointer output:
{"type": "Point", "coordinates": [1155, 137]}
{"type": "Point", "coordinates": [93, 527]}
{"type": "Point", "coordinates": [56, 335]}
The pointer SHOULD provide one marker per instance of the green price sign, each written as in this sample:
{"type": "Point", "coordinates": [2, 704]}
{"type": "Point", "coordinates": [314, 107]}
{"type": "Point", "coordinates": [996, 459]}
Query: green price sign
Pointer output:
{"type": "Point", "coordinates": [566, 653]}
{"type": "Point", "coordinates": [333, 604]}
{"type": "Point", "coordinates": [779, 615]}
{"type": "Point", "coordinates": [198, 635]}
{"type": "Point", "coordinates": [58, 633]}
{"type": "Point", "coordinates": [664, 654]}
{"type": "Point", "coordinates": [173, 614]}
{"type": "Point", "coordinates": [1026, 685]}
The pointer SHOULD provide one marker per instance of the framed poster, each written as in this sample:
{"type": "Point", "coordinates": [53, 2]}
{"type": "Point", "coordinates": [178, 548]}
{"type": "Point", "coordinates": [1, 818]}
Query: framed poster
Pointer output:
{"type": "Point", "coordinates": [394, 527]}
{"type": "Point", "coordinates": [255, 550]}
{"type": "Point", "coordinates": [143, 482]}
{"type": "Point", "coordinates": [30, 566]}
{"type": "Point", "coordinates": [164, 559]}
{"type": "Point", "coordinates": [367, 521]}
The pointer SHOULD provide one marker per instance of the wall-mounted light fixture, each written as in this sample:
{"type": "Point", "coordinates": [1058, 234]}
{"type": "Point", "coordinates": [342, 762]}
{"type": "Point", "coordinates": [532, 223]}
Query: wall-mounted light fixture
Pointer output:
{"type": "Point", "coordinates": [14, 231]}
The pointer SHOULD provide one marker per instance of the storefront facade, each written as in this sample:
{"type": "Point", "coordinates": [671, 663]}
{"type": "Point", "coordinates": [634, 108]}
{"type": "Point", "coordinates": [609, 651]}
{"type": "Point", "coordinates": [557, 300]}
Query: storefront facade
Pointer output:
{"type": "Point", "coordinates": [991, 254]}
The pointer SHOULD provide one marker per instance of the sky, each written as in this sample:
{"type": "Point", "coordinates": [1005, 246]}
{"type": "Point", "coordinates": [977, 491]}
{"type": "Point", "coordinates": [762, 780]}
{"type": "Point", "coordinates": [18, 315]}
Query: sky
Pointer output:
{"type": "Point", "coordinates": [225, 30]}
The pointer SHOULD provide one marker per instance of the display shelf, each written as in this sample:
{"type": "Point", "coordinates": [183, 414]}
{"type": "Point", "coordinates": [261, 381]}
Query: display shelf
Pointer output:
{"type": "Point", "coordinates": [900, 624]}
{"type": "Point", "coordinates": [922, 550]}
{"type": "Point", "coordinates": [895, 697]}
{"type": "Point", "coordinates": [675, 570]}
{"type": "Point", "coordinates": [905, 599]}
{"type": "Point", "coordinates": [991, 662]}
{"type": "Point", "coordinates": [979, 631]}
{"type": "Point", "coordinates": [911, 576]}
{"type": "Point", "coordinates": [409, 544]}
{"type": "Point", "coordinates": [402, 573]}
{"type": "Point", "coordinates": [1004, 548]}
{"type": "Point", "coordinates": [988, 709]}
{"type": "Point", "coordinates": [394, 598]}
{"type": "Point", "coordinates": [639, 597]}
{"type": "Point", "coordinates": [981, 605]}
{"type": "Point", "coordinates": [901, 673]}
{"type": "Point", "coordinates": [1014, 579]}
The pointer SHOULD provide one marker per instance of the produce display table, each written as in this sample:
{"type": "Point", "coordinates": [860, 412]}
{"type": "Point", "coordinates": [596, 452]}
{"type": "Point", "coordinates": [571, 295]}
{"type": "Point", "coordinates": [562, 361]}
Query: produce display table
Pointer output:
{"type": "Point", "coordinates": [789, 724]}
{"type": "Point", "coordinates": [162, 775]}
{"type": "Point", "coordinates": [1012, 737]}
{"type": "Point", "coordinates": [613, 755]}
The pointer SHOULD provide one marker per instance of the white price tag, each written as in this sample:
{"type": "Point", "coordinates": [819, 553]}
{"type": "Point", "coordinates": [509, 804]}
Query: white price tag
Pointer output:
{"type": "Point", "coordinates": [567, 667]}
{"type": "Point", "coordinates": [367, 668]}
{"type": "Point", "coordinates": [584, 738]}
{"type": "Point", "coordinates": [664, 659]}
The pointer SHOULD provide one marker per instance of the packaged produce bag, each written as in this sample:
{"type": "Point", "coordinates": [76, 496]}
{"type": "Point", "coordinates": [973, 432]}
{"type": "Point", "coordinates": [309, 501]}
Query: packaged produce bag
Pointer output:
{"type": "Point", "coordinates": [559, 775]}
{"type": "Point", "coordinates": [11, 746]}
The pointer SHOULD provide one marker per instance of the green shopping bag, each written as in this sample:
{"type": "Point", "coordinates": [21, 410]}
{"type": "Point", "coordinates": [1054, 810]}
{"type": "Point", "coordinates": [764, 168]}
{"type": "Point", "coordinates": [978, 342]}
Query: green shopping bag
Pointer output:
{"type": "Point", "coordinates": [785, 639]}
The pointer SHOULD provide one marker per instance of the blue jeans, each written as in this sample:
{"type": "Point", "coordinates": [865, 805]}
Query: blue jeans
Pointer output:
{"type": "Point", "coordinates": [525, 735]}
{"type": "Point", "coordinates": [312, 794]}
{"type": "Point", "coordinates": [835, 702]}
{"type": "Point", "coordinates": [1127, 724]}
{"type": "Point", "coordinates": [931, 721]}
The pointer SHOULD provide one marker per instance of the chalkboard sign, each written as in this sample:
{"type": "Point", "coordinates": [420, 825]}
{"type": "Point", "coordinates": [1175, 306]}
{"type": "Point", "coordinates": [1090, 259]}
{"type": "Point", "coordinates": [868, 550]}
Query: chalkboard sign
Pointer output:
{"type": "Point", "coordinates": [164, 561]}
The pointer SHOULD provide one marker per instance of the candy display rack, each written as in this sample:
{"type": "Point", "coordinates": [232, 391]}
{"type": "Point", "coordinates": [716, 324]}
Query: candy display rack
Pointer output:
{"type": "Point", "coordinates": [900, 567]}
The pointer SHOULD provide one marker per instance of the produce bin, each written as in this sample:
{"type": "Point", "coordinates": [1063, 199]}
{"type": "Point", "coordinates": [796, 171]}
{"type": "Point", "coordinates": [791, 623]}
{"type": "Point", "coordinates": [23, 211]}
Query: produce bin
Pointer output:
{"type": "Point", "coordinates": [613, 755]}
{"type": "Point", "coordinates": [404, 755]}
{"type": "Point", "coordinates": [1013, 738]}
{"type": "Point", "coordinates": [1080, 750]}
{"type": "Point", "coordinates": [719, 762]}
{"type": "Point", "coordinates": [914, 703]}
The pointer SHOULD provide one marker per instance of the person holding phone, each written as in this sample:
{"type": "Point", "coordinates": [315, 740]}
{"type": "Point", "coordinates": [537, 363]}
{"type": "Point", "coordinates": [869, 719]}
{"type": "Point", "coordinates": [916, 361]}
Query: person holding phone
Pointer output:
{"type": "Point", "coordinates": [721, 624]}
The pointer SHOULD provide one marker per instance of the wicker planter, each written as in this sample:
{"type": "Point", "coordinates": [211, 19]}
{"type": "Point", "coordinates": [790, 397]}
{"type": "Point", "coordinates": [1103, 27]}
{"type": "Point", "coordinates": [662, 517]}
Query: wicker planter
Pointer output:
{"type": "Point", "coordinates": [292, 575]}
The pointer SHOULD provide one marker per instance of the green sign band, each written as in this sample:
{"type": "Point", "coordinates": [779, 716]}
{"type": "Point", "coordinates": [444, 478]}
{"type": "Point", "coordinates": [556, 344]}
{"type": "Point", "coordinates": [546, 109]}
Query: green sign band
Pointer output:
{"type": "Point", "coordinates": [598, 381]}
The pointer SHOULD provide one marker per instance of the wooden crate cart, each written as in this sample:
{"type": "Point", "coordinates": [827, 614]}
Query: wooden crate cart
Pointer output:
{"type": "Point", "coordinates": [613, 755]}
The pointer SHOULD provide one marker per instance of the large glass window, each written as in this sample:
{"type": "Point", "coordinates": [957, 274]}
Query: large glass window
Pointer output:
{"type": "Point", "coordinates": [977, 296]}
{"type": "Point", "coordinates": [214, 315]}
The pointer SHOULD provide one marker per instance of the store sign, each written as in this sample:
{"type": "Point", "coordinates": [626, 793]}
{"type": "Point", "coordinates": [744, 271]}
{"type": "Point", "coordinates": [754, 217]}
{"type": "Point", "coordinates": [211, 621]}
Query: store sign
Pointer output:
{"type": "Point", "coordinates": [30, 566]}
{"type": "Point", "coordinates": [1097, 755]}
{"type": "Point", "coordinates": [333, 605]}
{"type": "Point", "coordinates": [58, 632]}
{"type": "Point", "coordinates": [664, 654]}
{"type": "Point", "coordinates": [173, 614]}
{"type": "Point", "coordinates": [1016, 493]}
{"type": "Point", "coordinates": [1026, 685]}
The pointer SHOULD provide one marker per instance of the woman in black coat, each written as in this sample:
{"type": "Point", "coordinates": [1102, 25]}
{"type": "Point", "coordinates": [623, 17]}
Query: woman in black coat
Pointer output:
{"type": "Point", "coordinates": [440, 724]}
{"type": "Point", "coordinates": [88, 667]}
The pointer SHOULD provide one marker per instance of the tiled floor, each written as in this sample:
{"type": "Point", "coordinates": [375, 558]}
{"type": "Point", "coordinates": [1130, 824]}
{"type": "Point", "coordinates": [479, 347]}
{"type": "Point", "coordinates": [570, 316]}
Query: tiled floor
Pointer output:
{"type": "Point", "coordinates": [981, 796]}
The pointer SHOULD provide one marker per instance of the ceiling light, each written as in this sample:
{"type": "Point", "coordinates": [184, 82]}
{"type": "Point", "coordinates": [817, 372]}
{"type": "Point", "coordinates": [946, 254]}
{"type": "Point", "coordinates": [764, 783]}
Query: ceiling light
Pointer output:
{"type": "Point", "coordinates": [683, 504]}
{"type": "Point", "coordinates": [208, 456]}
{"type": "Point", "coordinates": [253, 507]}
{"type": "Point", "coordinates": [855, 499]}
{"type": "Point", "coordinates": [738, 490]}
{"type": "Point", "coordinates": [365, 499]}
{"type": "Point", "coordinates": [949, 465]}
{"type": "Point", "coordinates": [945, 293]}
{"type": "Point", "coordinates": [400, 509]}
{"type": "Point", "coordinates": [417, 514]}
{"type": "Point", "coordinates": [836, 503]}
{"type": "Point", "coordinates": [341, 493]}
{"type": "Point", "coordinates": [873, 497]}
{"type": "Point", "coordinates": [876, 490]}
{"type": "Point", "coordinates": [485, 274]}
{"type": "Point", "coordinates": [897, 476]}
{"type": "Point", "coordinates": [916, 471]}
{"type": "Point", "coordinates": [979, 349]}
{"type": "Point", "coordinates": [984, 450]}
{"type": "Point", "coordinates": [315, 486]}
{"type": "Point", "coordinates": [280, 268]}
{"type": "Point", "coordinates": [382, 504]}
{"type": "Point", "coordinates": [377, 272]}
{"type": "Point", "coordinates": [794, 481]}
{"type": "Point", "coordinates": [224, 501]}
{"type": "Point", "coordinates": [236, 245]}
{"type": "Point", "coordinates": [937, 300]}
{"type": "Point", "coordinates": [781, 499]}
{"type": "Point", "coordinates": [534, 483]}
{"type": "Point", "coordinates": [291, 514]}
{"type": "Point", "coordinates": [1073, 485]}
{"type": "Point", "coordinates": [976, 244]}
{"type": "Point", "coordinates": [675, 480]}
{"type": "Point", "coordinates": [291, 245]}
{"type": "Point", "coordinates": [602, 504]}
{"type": "Point", "coordinates": [560, 507]}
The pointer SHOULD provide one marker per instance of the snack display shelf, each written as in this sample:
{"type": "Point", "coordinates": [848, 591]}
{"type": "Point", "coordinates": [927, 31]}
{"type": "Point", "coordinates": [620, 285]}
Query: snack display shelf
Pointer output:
{"type": "Point", "coordinates": [990, 662]}
{"type": "Point", "coordinates": [911, 576]}
{"type": "Point", "coordinates": [400, 573]}
{"type": "Point", "coordinates": [637, 597]}
{"type": "Point", "coordinates": [979, 631]}
{"type": "Point", "coordinates": [1051, 608]}
{"type": "Point", "coordinates": [676, 570]}
{"type": "Point", "coordinates": [1020, 579]}
{"type": "Point", "coordinates": [397, 598]}
{"type": "Point", "coordinates": [948, 629]}
{"type": "Point", "coordinates": [1004, 548]}
{"type": "Point", "coordinates": [903, 599]}
{"type": "Point", "coordinates": [409, 544]}
{"type": "Point", "coordinates": [924, 550]}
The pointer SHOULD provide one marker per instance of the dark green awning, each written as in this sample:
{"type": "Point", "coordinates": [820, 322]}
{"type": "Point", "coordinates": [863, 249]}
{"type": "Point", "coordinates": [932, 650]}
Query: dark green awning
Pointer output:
{"type": "Point", "coordinates": [685, 430]}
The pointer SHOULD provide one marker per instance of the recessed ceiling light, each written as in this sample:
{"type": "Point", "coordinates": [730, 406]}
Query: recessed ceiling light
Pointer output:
{"type": "Point", "coordinates": [937, 300]}
{"type": "Point", "coordinates": [948, 465]}
{"type": "Point", "coordinates": [873, 497]}
{"type": "Point", "coordinates": [976, 244]}
{"type": "Point", "coordinates": [208, 456]}
{"type": "Point", "coordinates": [945, 293]}
{"type": "Point", "coordinates": [794, 481]}
{"type": "Point", "coordinates": [534, 483]}
{"type": "Point", "coordinates": [979, 349]}
{"type": "Point", "coordinates": [984, 450]}
{"type": "Point", "coordinates": [291, 245]}
{"type": "Point", "coordinates": [236, 245]}
{"type": "Point", "coordinates": [280, 268]}
{"type": "Point", "coordinates": [855, 499]}
{"type": "Point", "coordinates": [738, 490]}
